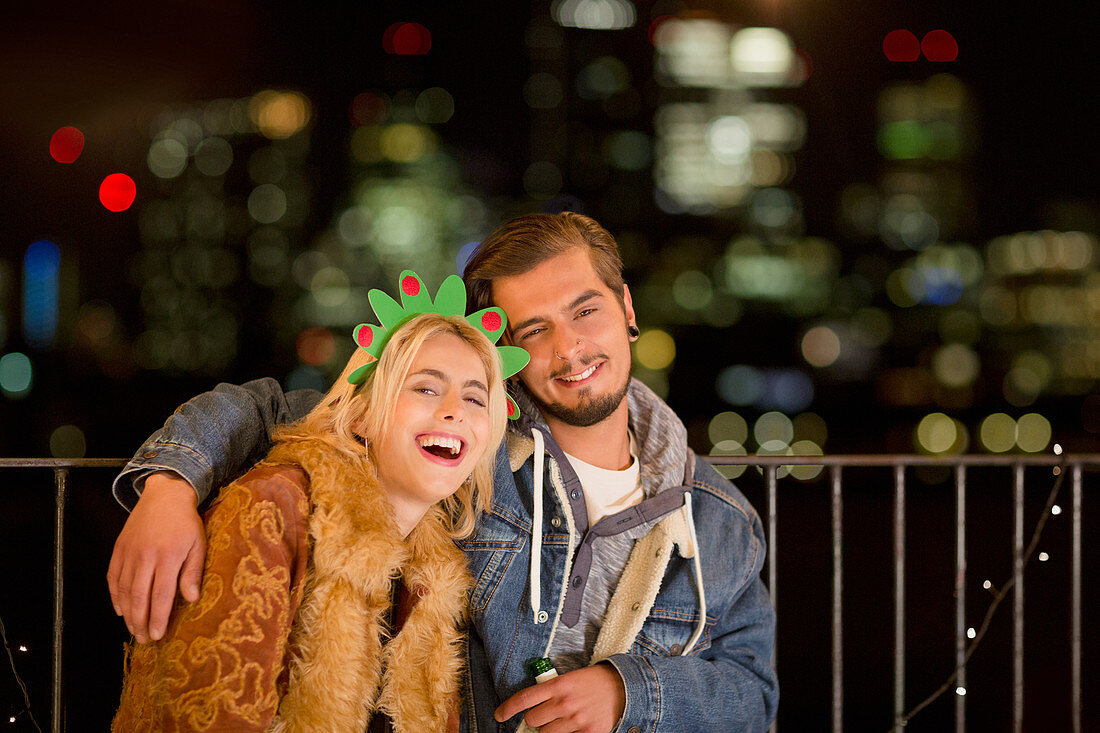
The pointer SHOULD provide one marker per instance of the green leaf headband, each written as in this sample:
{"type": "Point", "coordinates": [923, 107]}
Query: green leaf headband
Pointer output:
{"type": "Point", "coordinates": [450, 300]}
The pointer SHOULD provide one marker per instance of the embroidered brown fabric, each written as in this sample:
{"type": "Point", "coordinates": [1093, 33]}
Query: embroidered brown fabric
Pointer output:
{"type": "Point", "coordinates": [221, 663]}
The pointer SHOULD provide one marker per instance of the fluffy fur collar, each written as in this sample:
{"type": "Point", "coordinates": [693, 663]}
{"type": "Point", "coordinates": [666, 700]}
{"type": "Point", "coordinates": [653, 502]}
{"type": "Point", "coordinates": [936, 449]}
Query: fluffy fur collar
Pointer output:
{"type": "Point", "coordinates": [343, 667]}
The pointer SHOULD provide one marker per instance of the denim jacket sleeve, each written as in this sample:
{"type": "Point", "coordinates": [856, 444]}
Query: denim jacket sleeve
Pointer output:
{"type": "Point", "coordinates": [214, 437]}
{"type": "Point", "coordinates": [732, 684]}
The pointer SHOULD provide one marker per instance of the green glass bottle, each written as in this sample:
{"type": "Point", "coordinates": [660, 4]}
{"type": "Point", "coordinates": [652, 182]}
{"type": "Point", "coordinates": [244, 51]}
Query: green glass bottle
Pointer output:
{"type": "Point", "coordinates": [542, 669]}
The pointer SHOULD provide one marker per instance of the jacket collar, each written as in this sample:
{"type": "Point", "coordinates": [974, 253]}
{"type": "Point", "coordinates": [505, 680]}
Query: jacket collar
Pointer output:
{"type": "Point", "coordinates": [660, 437]}
{"type": "Point", "coordinates": [343, 668]}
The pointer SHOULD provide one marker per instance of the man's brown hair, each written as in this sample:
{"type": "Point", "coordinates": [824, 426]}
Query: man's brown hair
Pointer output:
{"type": "Point", "coordinates": [520, 245]}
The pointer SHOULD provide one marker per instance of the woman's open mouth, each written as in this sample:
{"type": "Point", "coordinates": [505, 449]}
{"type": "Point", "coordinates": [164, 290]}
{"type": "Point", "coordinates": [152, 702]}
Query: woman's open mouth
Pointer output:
{"type": "Point", "coordinates": [444, 449]}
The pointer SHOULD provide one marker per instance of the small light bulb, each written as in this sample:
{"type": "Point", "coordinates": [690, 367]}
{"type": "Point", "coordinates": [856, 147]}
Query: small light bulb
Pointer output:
{"type": "Point", "coordinates": [22, 647]}
{"type": "Point", "coordinates": [1043, 557]}
{"type": "Point", "coordinates": [971, 633]}
{"type": "Point", "coordinates": [1056, 510]}
{"type": "Point", "coordinates": [1057, 449]}
{"type": "Point", "coordinates": [987, 585]}
{"type": "Point", "coordinates": [960, 690]}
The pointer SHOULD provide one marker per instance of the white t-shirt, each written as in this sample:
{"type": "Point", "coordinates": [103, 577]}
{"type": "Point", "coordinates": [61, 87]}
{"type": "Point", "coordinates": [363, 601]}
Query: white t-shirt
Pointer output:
{"type": "Point", "coordinates": [607, 492]}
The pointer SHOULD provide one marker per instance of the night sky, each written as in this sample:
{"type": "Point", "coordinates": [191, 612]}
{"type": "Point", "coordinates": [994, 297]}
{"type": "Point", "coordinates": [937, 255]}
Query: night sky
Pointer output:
{"type": "Point", "coordinates": [103, 67]}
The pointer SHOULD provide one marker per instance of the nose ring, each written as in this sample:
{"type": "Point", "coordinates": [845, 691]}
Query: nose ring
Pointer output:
{"type": "Point", "coordinates": [562, 357]}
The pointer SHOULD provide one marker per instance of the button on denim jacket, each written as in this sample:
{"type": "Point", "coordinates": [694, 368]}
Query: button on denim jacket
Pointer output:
{"type": "Point", "coordinates": [725, 683]}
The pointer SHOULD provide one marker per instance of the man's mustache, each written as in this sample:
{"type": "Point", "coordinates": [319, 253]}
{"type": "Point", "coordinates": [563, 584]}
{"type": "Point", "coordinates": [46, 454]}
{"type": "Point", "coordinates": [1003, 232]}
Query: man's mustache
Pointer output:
{"type": "Point", "coordinates": [567, 367]}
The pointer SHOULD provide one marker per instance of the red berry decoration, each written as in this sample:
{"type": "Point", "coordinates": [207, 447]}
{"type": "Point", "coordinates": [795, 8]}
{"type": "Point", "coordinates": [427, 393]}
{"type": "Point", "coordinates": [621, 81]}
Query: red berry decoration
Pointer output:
{"type": "Point", "coordinates": [410, 286]}
{"type": "Point", "coordinates": [490, 321]}
{"type": "Point", "coordinates": [364, 336]}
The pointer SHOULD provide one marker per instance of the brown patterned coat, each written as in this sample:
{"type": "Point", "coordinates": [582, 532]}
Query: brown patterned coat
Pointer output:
{"type": "Point", "coordinates": [286, 639]}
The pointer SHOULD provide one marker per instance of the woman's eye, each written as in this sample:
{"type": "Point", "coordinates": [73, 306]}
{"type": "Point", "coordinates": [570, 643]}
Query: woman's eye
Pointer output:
{"type": "Point", "coordinates": [476, 400]}
{"type": "Point", "coordinates": [425, 390]}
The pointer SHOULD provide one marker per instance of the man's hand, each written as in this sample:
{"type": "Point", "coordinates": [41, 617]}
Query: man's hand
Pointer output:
{"type": "Point", "coordinates": [589, 700]}
{"type": "Point", "coordinates": [161, 542]}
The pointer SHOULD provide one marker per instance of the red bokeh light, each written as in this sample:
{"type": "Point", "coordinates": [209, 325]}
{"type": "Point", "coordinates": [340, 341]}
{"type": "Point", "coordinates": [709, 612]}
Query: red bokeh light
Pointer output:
{"type": "Point", "coordinates": [939, 45]}
{"type": "Point", "coordinates": [117, 192]}
{"type": "Point", "coordinates": [901, 45]}
{"type": "Point", "coordinates": [66, 144]}
{"type": "Point", "coordinates": [657, 24]}
{"type": "Point", "coordinates": [315, 346]}
{"type": "Point", "coordinates": [367, 109]}
{"type": "Point", "coordinates": [407, 39]}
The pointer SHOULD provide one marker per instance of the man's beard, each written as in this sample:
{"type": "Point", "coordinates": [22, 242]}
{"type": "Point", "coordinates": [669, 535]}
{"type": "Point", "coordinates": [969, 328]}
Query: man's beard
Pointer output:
{"type": "Point", "coordinates": [590, 410]}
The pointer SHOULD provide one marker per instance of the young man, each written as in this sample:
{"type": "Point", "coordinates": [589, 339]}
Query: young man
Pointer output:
{"type": "Point", "coordinates": [644, 591]}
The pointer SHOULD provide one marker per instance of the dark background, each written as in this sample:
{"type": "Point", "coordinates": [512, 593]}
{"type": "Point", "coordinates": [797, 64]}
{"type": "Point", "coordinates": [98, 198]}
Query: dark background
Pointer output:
{"type": "Point", "coordinates": [101, 66]}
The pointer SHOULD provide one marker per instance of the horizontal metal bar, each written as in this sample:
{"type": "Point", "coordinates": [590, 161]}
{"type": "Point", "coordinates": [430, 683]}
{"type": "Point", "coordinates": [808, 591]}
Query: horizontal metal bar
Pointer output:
{"type": "Point", "coordinates": [885, 459]}
{"type": "Point", "coordinates": [62, 462]}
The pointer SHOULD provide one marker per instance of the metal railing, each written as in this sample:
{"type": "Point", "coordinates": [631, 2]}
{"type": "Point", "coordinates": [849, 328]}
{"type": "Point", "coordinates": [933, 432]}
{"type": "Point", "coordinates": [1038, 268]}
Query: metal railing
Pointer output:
{"type": "Point", "coordinates": [772, 466]}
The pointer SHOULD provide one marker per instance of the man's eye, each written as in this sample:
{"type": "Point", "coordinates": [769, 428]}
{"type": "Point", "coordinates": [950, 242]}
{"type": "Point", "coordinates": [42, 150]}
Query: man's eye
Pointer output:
{"type": "Point", "coordinates": [532, 332]}
{"type": "Point", "coordinates": [587, 311]}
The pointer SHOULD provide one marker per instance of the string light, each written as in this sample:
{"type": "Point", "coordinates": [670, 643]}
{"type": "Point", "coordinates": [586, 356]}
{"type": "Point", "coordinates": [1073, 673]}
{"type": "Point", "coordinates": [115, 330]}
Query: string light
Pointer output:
{"type": "Point", "coordinates": [1043, 557]}
{"type": "Point", "coordinates": [971, 633]}
{"type": "Point", "coordinates": [960, 690]}
{"type": "Point", "coordinates": [1056, 510]}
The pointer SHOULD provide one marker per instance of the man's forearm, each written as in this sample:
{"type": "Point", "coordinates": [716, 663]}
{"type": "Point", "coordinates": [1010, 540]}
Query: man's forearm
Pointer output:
{"type": "Point", "coordinates": [215, 436]}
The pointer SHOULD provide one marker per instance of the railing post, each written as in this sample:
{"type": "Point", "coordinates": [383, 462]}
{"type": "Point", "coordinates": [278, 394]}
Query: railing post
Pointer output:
{"type": "Point", "coordinates": [838, 587]}
{"type": "Point", "coordinates": [60, 488]}
{"type": "Point", "coordinates": [960, 597]}
{"type": "Point", "coordinates": [1075, 601]}
{"type": "Point", "coordinates": [773, 571]}
{"type": "Point", "coordinates": [1018, 604]}
{"type": "Point", "coordinates": [899, 596]}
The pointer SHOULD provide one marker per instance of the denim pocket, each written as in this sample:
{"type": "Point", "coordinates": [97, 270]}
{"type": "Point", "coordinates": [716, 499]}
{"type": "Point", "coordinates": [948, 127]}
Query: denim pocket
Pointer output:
{"type": "Point", "coordinates": [666, 632]}
{"type": "Point", "coordinates": [489, 553]}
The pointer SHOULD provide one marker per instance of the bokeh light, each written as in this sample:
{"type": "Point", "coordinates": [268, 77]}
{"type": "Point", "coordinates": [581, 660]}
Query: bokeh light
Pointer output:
{"type": "Point", "coordinates": [594, 14]}
{"type": "Point", "coordinates": [407, 39]}
{"type": "Point", "coordinates": [939, 46]}
{"type": "Point", "coordinates": [955, 365]}
{"type": "Point", "coordinates": [16, 374]}
{"type": "Point", "coordinates": [279, 114]}
{"type": "Point", "coordinates": [727, 426]}
{"type": "Point", "coordinates": [1033, 432]}
{"type": "Point", "coordinates": [729, 447]}
{"type": "Point", "coordinates": [820, 346]}
{"type": "Point", "coordinates": [41, 293]}
{"type": "Point", "coordinates": [740, 384]}
{"type": "Point", "coordinates": [434, 106]}
{"type": "Point", "coordinates": [315, 346]}
{"type": "Point", "coordinates": [66, 144]}
{"type": "Point", "coordinates": [167, 156]}
{"type": "Point", "coordinates": [67, 441]}
{"type": "Point", "coordinates": [655, 349]}
{"type": "Point", "coordinates": [117, 192]}
{"type": "Point", "coordinates": [267, 203]}
{"type": "Point", "coordinates": [938, 433]}
{"type": "Point", "coordinates": [901, 45]}
{"type": "Point", "coordinates": [773, 426]}
{"type": "Point", "coordinates": [761, 56]}
{"type": "Point", "coordinates": [998, 433]}
{"type": "Point", "coordinates": [806, 448]}
{"type": "Point", "coordinates": [811, 427]}
{"type": "Point", "coordinates": [213, 156]}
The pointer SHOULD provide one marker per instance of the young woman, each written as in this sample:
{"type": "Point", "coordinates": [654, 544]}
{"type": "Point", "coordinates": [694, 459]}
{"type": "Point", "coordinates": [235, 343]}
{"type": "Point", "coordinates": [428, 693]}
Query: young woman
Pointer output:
{"type": "Point", "coordinates": [333, 592]}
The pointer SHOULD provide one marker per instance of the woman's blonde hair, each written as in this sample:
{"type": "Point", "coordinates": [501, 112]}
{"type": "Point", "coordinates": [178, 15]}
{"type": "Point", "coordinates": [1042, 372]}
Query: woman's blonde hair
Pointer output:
{"type": "Point", "coordinates": [350, 415]}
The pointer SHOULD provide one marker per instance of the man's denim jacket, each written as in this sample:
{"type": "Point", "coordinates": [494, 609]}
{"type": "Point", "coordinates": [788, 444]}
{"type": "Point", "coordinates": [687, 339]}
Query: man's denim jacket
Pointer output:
{"type": "Point", "coordinates": [725, 683]}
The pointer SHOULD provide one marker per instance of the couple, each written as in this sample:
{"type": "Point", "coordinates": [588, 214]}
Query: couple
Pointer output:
{"type": "Point", "coordinates": [607, 546]}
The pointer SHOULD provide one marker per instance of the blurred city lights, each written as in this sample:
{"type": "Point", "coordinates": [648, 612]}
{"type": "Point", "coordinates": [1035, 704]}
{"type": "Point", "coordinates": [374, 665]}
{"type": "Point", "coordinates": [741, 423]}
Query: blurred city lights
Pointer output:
{"type": "Point", "coordinates": [368, 108]}
{"type": "Point", "coordinates": [1033, 433]}
{"type": "Point", "coordinates": [740, 384]}
{"type": "Point", "coordinates": [407, 39]}
{"type": "Point", "coordinates": [66, 144]}
{"type": "Point", "coordinates": [939, 46]}
{"type": "Point", "coordinates": [820, 346]}
{"type": "Point", "coordinates": [956, 365]}
{"type": "Point", "coordinates": [655, 349]}
{"type": "Point", "coordinates": [406, 143]}
{"type": "Point", "coordinates": [692, 290]}
{"type": "Point", "coordinates": [16, 374]}
{"type": "Point", "coordinates": [805, 448]}
{"type": "Point", "coordinates": [213, 156]}
{"type": "Point", "coordinates": [279, 114]}
{"type": "Point", "coordinates": [998, 433]}
{"type": "Point", "coordinates": [901, 45]}
{"type": "Point", "coordinates": [68, 441]}
{"type": "Point", "coordinates": [434, 106]}
{"type": "Point", "coordinates": [602, 78]}
{"type": "Point", "coordinates": [117, 192]}
{"type": "Point", "coordinates": [628, 150]}
{"type": "Point", "coordinates": [761, 56]}
{"type": "Point", "coordinates": [594, 14]}
{"type": "Point", "coordinates": [315, 346]}
{"type": "Point", "coordinates": [693, 52]}
{"type": "Point", "coordinates": [267, 203]}
{"type": "Point", "coordinates": [728, 426]}
{"type": "Point", "coordinates": [41, 293]}
{"type": "Point", "coordinates": [167, 156]}
{"type": "Point", "coordinates": [938, 433]}
{"type": "Point", "coordinates": [773, 426]}
{"type": "Point", "coordinates": [729, 447]}
{"type": "Point", "coordinates": [543, 91]}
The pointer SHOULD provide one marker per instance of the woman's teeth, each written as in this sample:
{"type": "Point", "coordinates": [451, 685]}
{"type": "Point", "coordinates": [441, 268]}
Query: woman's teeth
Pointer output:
{"type": "Point", "coordinates": [441, 444]}
{"type": "Point", "coordinates": [583, 375]}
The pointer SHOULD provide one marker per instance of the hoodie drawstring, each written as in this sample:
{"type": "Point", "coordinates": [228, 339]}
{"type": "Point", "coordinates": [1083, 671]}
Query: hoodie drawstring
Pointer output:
{"type": "Point", "coordinates": [698, 565]}
{"type": "Point", "coordinates": [536, 528]}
